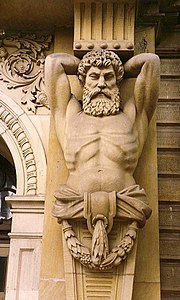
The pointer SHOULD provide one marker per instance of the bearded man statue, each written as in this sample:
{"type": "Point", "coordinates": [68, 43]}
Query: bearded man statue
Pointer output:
{"type": "Point", "coordinates": [102, 139]}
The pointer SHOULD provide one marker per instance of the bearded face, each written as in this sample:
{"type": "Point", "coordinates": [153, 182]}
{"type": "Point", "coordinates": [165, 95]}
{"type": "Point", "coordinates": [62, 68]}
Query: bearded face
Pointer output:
{"type": "Point", "coordinates": [101, 94]}
{"type": "Point", "coordinates": [101, 102]}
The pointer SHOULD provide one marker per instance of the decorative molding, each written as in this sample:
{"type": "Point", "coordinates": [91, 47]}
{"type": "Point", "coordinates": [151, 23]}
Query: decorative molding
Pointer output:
{"type": "Point", "coordinates": [22, 139]}
{"type": "Point", "coordinates": [166, 53]}
{"type": "Point", "coordinates": [22, 59]}
{"type": "Point", "coordinates": [19, 235]}
{"type": "Point", "coordinates": [104, 25]}
{"type": "Point", "coordinates": [18, 132]}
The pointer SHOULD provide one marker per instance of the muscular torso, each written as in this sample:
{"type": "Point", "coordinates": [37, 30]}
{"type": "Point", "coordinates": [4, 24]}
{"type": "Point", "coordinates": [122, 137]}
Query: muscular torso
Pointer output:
{"type": "Point", "coordinates": [101, 153]}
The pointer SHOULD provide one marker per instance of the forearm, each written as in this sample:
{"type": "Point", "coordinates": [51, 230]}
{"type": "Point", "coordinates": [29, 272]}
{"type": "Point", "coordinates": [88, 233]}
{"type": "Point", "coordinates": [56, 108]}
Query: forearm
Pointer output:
{"type": "Point", "coordinates": [133, 66]}
{"type": "Point", "coordinates": [67, 61]}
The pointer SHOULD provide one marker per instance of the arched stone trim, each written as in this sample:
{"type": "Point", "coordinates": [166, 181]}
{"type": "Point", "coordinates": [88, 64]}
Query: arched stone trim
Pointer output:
{"type": "Point", "coordinates": [25, 145]}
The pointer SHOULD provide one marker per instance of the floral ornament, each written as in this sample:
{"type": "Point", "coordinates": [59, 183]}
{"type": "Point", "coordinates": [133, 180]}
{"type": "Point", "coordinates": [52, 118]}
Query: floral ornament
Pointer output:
{"type": "Point", "coordinates": [81, 253]}
{"type": "Point", "coordinates": [22, 66]}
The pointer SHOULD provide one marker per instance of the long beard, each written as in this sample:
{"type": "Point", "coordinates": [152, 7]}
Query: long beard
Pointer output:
{"type": "Point", "coordinates": [110, 105]}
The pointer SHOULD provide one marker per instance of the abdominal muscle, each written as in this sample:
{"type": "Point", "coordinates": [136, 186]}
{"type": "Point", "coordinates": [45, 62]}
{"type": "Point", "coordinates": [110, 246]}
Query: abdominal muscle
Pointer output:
{"type": "Point", "coordinates": [100, 179]}
{"type": "Point", "coordinates": [103, 155]}
{"type": "Point", "coordinates": [102, 167]}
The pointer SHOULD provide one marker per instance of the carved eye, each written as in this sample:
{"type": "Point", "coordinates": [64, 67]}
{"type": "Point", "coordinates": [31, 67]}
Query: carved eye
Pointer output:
{"type": "Point", "coordinates": [94, 76]}
{"type": "Point", "coordinates": [109, 76]}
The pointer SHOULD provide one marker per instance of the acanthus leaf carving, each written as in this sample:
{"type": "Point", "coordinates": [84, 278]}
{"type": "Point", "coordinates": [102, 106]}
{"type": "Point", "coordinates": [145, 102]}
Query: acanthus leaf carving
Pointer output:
{"type": "Point", "coordinates": [22, 66]}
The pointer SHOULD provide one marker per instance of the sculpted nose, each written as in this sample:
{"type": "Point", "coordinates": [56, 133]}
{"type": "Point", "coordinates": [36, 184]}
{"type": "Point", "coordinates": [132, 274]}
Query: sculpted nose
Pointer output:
{"type": "Point", "coordinates": [101, 83]}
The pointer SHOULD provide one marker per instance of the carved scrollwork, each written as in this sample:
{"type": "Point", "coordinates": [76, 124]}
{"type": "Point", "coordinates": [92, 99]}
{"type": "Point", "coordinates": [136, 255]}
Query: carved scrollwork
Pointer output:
{"type": "Point", "coordinates": [22, 66]}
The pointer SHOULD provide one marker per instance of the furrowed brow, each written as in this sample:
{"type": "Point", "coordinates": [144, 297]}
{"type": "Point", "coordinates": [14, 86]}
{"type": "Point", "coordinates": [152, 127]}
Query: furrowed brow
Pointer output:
{"type": "Point", "coordinates": [95, 74]}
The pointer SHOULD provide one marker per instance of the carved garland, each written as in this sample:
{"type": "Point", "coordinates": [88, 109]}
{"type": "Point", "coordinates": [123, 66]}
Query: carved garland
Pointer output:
{"type": "Point", "coordinates": [22, 61]}
{"type": "Point", "coordinates": [114, 258]}
{"type": "Point", "coordinates": [14, 125]}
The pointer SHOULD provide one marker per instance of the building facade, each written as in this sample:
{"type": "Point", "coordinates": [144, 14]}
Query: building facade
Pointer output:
{"type": "Point", "coordinates": [31, 251]}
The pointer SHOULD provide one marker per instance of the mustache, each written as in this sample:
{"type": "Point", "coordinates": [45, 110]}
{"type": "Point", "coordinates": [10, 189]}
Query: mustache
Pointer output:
{"type": "Point", "coordinates": [97, 91]}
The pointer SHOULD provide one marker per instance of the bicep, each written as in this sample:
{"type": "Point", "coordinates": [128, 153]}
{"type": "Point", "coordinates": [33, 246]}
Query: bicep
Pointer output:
{"type": "Point", "coordinates": [146, 68]}
{"type": "Point", "coordinates": [147, 88]}
{"type": "Point", "coordinates": [57, 85]}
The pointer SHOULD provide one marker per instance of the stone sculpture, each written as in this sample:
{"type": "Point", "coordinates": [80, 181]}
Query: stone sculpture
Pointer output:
{"type": "Point", "coordinates": [102, 138]}
{"type": "Point", "coordinates": [22, 59]}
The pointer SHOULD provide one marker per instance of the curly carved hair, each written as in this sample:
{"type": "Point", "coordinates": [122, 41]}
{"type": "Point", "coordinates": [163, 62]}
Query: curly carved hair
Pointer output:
{"type": "Point", "coordinates": [100, 58]}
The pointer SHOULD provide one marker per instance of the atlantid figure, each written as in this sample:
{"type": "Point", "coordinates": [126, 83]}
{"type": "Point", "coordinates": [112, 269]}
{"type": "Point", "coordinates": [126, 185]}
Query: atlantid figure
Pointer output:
{"type": "Point", "coordinates": [102, 137]}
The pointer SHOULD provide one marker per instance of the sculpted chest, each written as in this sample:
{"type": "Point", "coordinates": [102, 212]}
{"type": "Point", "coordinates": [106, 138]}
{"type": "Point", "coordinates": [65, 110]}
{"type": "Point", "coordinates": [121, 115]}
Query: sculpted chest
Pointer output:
{"type": "Point", "coordinates": [112, 136]}
{"type": "Point", "coordinates": [83, 125]}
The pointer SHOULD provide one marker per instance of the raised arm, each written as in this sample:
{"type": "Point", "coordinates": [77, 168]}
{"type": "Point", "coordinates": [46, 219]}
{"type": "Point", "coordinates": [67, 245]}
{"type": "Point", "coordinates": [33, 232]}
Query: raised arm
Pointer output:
{"type": "Point", "coordinates": [146, 68]}
{"type": "Point", "coordinates": [57, 67]}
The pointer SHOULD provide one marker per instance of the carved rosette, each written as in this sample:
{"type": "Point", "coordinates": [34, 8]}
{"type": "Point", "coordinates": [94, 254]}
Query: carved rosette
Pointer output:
{"type": "Point", "coordinates": [13, 124]}
{"type": "Point", "coordinates": [22, 66]}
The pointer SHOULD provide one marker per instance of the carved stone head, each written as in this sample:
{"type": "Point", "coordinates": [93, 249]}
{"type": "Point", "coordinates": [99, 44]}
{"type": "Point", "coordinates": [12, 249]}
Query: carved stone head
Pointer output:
{"type": "Point", "coordinates": [100, 73]}
{"type": "Point", "coordinates": [100, 59]}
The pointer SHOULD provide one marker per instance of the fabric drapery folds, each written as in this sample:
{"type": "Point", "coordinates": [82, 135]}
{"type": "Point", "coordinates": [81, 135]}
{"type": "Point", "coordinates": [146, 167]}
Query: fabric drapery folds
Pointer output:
{"type": "Point", "coordinates": [131, 204]}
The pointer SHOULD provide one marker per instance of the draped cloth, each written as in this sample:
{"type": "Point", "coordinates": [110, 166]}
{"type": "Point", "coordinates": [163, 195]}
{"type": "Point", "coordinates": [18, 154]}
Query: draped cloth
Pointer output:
{"type": "Point", "coordinates": [131, 204]}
